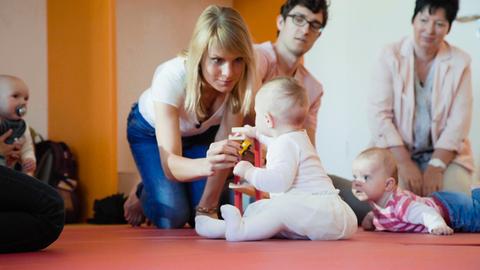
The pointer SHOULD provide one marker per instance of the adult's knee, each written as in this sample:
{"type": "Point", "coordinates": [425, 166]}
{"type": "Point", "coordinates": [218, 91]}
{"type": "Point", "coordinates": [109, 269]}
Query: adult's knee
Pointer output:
{"type": "Point", "coordinates": [53, 216]}
{"type": "Point", "coordinates": [166, 217]}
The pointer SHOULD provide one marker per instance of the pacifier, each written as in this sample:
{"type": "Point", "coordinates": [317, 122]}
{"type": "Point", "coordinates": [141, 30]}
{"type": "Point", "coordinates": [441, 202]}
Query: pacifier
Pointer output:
{"type": "Point", "coordinates": [21, 110]}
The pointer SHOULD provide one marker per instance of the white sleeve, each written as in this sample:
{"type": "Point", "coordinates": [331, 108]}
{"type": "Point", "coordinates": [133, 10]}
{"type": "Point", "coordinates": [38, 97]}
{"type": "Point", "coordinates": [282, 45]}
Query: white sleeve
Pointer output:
{"type": "Point", "coordinates": [263, 139]}
{"type": "Point", "coordinates": [27, 148]}
{"type": "Point", "coordinates": [420, 213]}
{"type": "Point", "coordinates": [280, 171]}
{"type": "Point", "coordinates": [168, 84]}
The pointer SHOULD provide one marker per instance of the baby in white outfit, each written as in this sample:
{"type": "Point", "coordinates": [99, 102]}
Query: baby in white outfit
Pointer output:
{"type": "Point", "coordinates": [303, 203]}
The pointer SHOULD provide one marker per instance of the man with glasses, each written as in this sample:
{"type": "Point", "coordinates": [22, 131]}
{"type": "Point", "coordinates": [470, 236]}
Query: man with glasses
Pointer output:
{"type": "Point", "coordinates": [299, 24]}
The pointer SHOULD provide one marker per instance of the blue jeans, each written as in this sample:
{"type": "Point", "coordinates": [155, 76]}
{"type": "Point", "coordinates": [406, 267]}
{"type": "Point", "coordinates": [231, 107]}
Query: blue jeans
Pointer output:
{"type": "Point", "coordinates": [167, 203]}
{"type": "Point", "coordinates": [464, 212]}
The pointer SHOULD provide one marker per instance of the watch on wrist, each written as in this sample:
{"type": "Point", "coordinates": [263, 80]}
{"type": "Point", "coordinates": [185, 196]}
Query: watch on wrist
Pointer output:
{"type": "Point", "coordinates": [438, 163]}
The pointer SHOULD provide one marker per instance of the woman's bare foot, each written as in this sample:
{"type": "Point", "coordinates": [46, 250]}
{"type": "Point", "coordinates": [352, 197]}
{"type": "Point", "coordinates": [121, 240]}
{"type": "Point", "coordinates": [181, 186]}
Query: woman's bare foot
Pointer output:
{"type": "Point", "coordinates": [132, 209]}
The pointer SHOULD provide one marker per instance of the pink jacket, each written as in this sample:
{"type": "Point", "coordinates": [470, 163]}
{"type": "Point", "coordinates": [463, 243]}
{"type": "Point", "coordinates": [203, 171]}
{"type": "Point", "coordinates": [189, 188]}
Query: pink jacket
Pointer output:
{"type": "Point", "coordinates": [392, 103]}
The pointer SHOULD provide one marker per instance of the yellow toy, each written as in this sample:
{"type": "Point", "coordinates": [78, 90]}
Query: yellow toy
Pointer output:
{"type": "Point", "coordinates": [246, 144]}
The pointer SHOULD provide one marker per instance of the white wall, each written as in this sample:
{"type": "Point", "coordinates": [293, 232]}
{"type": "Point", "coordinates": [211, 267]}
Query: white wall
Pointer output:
{"type": "Point", "coordinates": [148, 33]}
{"type": "Point", "coordinates": [342, 60]}
{"type": "Point", "coordinates": [23, 53]}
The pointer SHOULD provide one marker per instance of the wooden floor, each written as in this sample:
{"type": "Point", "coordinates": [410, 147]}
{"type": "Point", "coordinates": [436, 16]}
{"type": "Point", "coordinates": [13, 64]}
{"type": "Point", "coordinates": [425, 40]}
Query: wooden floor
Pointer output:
{"type": "Point", "coordinates": [123, 247]}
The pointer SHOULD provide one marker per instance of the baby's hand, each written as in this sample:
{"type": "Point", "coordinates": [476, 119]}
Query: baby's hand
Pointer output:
{"type": "Point", "coordinates": [29, 166]}
{"type": "Point", "coordinates": [442, 230]}
{"type": "Point", "coordinates": [246, 130]}
{"type": "Point", "coordinates": [367, 222]}
{"type": "Point", "coordinates": [242, 168]}
{"type": "Point", "coordinates": [243, 187]}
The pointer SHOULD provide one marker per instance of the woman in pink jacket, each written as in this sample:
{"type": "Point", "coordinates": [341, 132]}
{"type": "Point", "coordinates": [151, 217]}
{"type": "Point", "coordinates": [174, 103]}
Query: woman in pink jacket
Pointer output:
{"type": "Point", "coordinates": [421, 104]}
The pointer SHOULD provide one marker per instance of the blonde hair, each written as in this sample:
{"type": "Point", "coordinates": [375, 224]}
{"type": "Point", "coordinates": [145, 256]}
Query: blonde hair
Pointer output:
{"type": "Point", "coordinates": [287, 100]}
{"type": "Point", "coordinates": [7, 80]}
{"type": "Point", "coordinates": [225, 28]}
{"type": "Point", "coordinates": [384, 157]}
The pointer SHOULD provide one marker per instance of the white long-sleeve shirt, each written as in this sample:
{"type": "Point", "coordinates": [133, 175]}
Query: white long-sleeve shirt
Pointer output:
{"type": "Point", "coordinates": [292, 164]}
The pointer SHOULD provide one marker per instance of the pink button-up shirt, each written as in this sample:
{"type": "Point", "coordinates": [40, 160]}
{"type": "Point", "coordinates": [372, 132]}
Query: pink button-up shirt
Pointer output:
{"type": "Point", "coordinates": [392, 101]}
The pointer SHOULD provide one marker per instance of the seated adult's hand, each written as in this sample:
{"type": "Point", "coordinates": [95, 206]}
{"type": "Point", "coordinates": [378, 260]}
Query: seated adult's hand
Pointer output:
{"type": "Point", "coordinates": [222, 155]}
{"type": "Point", "coordinates": [432, 180]}
{"type": "Point", "coordinates": [5, 149]}
{"type": "Point", "coordinates": [10, 151]}
{"type": "Point", "coordinates": [411, 174]}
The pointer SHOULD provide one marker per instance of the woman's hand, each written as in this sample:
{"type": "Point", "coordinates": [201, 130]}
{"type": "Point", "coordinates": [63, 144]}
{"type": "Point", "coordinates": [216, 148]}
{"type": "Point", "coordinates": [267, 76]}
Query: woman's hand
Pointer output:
{"type": "Point", "coordinates": [432, 180]}
{"type": "Point", "coordinates": [411, 174]}
{"type": "Point", "coordinates": [222, 155]}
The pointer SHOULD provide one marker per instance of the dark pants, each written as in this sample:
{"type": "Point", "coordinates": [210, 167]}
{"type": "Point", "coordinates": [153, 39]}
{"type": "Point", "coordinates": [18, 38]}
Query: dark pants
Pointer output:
{"type": "Point", "coordinates": [345, 186]}
{"type": "Point", "coordinates": [32, 214]}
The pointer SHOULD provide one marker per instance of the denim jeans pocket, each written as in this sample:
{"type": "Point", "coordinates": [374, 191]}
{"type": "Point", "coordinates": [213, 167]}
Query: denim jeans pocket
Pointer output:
{"type": "Point", "coordinates": [137, 126]}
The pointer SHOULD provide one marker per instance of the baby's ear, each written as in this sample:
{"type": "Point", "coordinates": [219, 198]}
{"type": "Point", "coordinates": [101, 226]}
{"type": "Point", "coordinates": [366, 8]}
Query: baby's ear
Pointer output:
{"type": "Point", "coordinates": [390, 184]}
{"type": "Point", "coordinates": [269, 120]}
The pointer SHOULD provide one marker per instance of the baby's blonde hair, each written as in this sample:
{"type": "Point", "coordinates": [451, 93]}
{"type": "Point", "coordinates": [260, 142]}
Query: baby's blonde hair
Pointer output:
{"type": "Point", "coordinates": [6, 81]}
{"type": "Point", "coordinates": [384, 158]}
{"type": "Point", "coordinates": [286, 99]}
{"type": "Point", "coordinates": [222, 27]}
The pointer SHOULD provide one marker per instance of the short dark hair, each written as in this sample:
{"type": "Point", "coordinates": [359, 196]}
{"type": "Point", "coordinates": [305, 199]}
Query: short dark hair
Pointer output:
{"type": "Point", "coordinates": [314, 6]}
{"type": "Point", "coordinates": [450, 7]}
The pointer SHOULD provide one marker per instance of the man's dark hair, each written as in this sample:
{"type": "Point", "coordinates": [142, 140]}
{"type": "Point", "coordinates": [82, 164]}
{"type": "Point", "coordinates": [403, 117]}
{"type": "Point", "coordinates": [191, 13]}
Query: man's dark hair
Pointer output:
{"type": "Point", "coordinates": [450, 7]}
{"type": "Point", "coordinates": [314, 6]}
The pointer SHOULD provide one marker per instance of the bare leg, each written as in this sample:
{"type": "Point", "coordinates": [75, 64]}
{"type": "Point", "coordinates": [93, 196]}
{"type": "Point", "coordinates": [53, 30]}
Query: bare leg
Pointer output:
{"type": "Point", "coordinates": [211, 194]}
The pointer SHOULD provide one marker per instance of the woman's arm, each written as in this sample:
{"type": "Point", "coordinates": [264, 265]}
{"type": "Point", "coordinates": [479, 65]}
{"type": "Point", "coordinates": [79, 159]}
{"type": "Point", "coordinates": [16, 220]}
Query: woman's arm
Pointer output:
{"type": "Point", "coordinates": [459, 120]}
{"type": "Point", "coordinates": [381, 103]}
{"type": "Point", "coordinates": [381, 121]}
{"type": "Point", "coordinates": [454, 132]}
{"type": "Point", "coordinates": [216, 182]}
{"type": "Point", "coordinates": [408, 170]}
{"type": "Point", "coordinates": [221, 155]}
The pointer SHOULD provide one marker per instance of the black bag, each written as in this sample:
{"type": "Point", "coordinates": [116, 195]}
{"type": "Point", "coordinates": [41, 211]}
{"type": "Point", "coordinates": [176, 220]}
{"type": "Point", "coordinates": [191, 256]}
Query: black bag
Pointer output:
{"type": "Point", "coordinates": [57, 167]}
{"type": "Point", "coordinates": [109, 210]}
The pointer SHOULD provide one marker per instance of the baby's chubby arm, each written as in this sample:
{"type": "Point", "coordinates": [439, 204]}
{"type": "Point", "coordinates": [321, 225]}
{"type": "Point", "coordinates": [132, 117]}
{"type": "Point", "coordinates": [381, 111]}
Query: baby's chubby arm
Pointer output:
{"type": "Point", "coordinates": [246, 130]}
{"type": "Point", "coordinates": [420, 213]}
{"type": "Point", "coordinates": [442, 230]}
{"type": "Point", "coordinates": [367, 222]}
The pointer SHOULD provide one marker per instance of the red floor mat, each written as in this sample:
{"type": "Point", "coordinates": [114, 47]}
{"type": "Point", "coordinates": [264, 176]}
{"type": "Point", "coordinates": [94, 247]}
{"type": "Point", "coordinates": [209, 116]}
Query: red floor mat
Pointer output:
{"type": "Point", "coordinates": [122, 247]}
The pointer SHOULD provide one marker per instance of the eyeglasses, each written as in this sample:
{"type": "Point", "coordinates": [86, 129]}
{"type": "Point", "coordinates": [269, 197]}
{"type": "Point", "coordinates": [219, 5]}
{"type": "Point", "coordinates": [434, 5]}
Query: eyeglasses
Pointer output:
{"type": "Point", "coordinates": [300, 20]}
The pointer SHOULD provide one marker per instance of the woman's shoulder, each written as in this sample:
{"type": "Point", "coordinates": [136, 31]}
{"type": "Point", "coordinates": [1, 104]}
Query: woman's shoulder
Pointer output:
{"type": "Point", "coordinates": [172, 70]}
{"type": "Point", "coordinates": [456, 55]}
{"type": "Point", "coordinates": [174, 64]}
{"type": "Point", "coordinates": [397, 48]}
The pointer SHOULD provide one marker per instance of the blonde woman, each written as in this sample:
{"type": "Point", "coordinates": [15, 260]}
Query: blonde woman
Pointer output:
{"type": "Point", "coordinates": [177, 131]}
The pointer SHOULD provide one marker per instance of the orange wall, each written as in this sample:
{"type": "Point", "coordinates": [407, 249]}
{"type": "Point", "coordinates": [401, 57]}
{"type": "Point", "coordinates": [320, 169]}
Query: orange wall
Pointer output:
{"type": "Point", "coordinates": [260, 16]}
{"type": "Point", "coordinates": [82, 90]}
